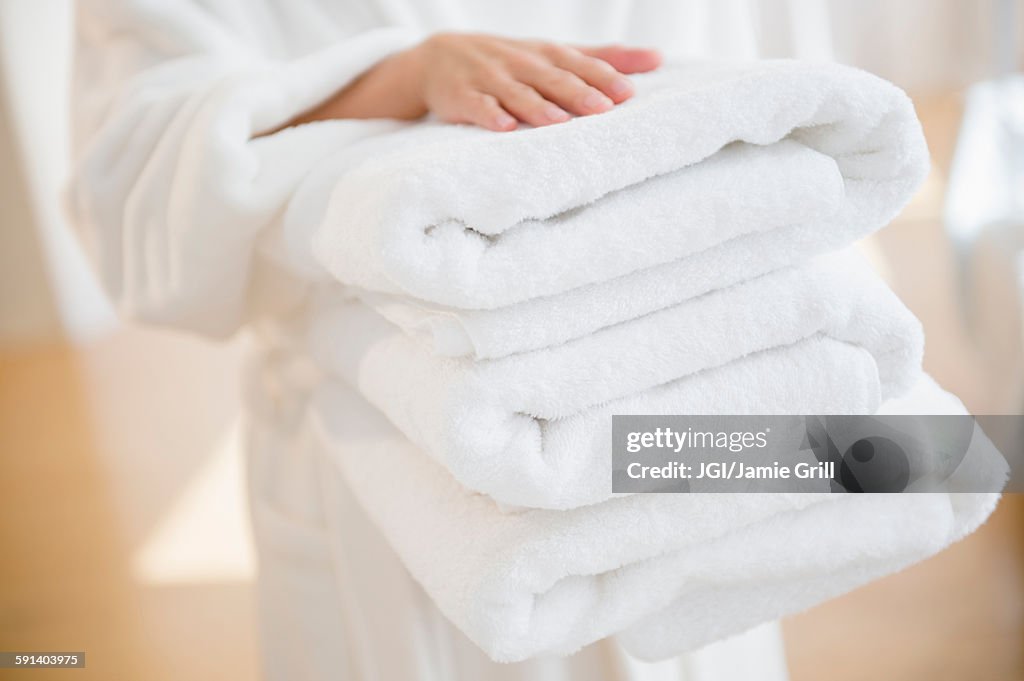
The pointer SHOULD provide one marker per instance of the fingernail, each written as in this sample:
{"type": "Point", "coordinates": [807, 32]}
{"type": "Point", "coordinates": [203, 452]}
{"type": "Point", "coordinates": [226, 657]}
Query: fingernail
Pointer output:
{"type": "Point", "coordinates": [620, 87]}
{"type": "Point", "coordinates": [504, 121]}
{"type": "Point", "coordinates": [555, 114]}
{"type": "Point", "coordinates": [595, 101]}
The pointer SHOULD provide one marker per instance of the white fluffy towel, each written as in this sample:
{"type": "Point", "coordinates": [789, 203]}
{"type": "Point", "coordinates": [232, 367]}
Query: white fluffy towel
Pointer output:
{"type": "Point", "coordinates": [704, 154]}
{"type": "Point", "coordinates": [671, 572]}
{"type": "Point", "coordinates": [533, 429]}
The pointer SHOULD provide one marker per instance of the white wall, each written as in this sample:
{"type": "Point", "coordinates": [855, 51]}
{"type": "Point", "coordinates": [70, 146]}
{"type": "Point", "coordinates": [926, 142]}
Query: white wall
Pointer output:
{"type": "Point", "coordinates": [45, 285]}
{"type": "Point", "coordinates": [27, 309]}
{"type": "Point", "coordinates": [923, 45]}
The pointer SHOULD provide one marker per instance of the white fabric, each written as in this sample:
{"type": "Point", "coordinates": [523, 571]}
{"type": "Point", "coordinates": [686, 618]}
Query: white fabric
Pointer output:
{"type": "Point", "coordinates": [337, 602]}
{"type": "Point", "coordinates": [533, 429]}
{"type": "Point", "coordinates": [492, 334]}
{"type": "Point", "coordinates": [949, 517]}
{"type": "Point", "coordinates": [536, 581]}
{"type": "Point", "coordinates": [169, 187]}
{"type": "Point", "coordinates": [417, 212]}
{"type": "Point", "coordinates": [181, 208]}
{"type": "Point", "coordinates": [179, 252]}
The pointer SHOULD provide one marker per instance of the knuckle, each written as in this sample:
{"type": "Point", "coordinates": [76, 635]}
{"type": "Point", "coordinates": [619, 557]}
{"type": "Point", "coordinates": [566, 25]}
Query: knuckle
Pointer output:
{"type": "Point", "coordinates": [599, 67]}
{"type": "Point", "coordinates": [491, 73]}
{"type": "Point", "coordinates": [520, 59]}
{"type": "Point", "coordinates": [518, 90]}
{"type": "Point", "coordinates": [477, 99]}
{"type": "Point", "coordinates": [556, 52]}
{"type": "Point", "coordinates": [486, 102]}
{"type": "Point", "coordinates": [563, 81]}
{"type": "Point", "coordinates": [463, 98]}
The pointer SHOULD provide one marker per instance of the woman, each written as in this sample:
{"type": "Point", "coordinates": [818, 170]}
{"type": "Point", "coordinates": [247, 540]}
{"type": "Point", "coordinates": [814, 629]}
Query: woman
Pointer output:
{"type": "Point", "coordinates": [192, 126]}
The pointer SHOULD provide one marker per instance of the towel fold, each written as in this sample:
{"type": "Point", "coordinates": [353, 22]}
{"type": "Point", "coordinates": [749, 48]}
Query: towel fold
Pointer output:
{"type": "Point", "coordinates": [534, 430]}
{"type": "Point", "coordinates": [745, 148]}
{"type": "Point", "coordinates": [553, 320]}
{"type": "Point", "coordinates": [670, 571]}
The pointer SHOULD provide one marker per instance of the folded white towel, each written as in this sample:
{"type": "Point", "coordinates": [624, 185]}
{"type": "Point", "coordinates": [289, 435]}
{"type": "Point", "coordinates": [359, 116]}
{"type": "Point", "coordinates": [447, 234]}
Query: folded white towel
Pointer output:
{"type": "Point", "coordinates": [552, 320]}
{"type": "Point", "coordinates": [662, 636]}
{"type": "Point", "coordinates": [533, 429]}
{"type": "Point", "coordinates": [703, 154]}
{"type": "Point", "coordinates": [522, 584]}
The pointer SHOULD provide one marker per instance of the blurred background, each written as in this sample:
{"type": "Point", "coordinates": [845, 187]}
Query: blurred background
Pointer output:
{"type": "Point", "coordinates": [122, 514]}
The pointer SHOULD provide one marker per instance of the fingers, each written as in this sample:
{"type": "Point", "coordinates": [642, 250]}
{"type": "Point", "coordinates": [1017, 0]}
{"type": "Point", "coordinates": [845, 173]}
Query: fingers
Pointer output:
{"type": "Point", "coordinates": [541, 84]}
{"type": "Point", "coordinates": [478, 108]}
{"type": "Point", "coordinates": [625, 59]}
{"type": "Point", "coordinates": [596, 72]}
{"type": "Point", "coordinates": [563, 87]}
{"type": "Point", "coordinates": [526, 103]}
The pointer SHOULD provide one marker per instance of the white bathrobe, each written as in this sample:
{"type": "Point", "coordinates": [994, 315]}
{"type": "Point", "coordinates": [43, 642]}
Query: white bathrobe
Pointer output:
{"type": "Point", "coordinates": [180, 207]}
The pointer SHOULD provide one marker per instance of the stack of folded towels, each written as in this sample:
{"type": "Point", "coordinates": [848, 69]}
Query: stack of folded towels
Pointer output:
{"type": "Point", "coordinates": [495, 298]}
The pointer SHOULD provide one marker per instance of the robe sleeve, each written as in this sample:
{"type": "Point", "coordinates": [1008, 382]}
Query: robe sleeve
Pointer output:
{"type": "Point", "coordinates": [169, 188]}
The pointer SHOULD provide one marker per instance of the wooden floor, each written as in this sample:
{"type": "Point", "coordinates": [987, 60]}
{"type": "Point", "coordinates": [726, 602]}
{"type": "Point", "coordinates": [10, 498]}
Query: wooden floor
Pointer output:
{"type": "Point", "coordinates": [72, 528]}
{"type": "Point", "coordinates": [121, 530]}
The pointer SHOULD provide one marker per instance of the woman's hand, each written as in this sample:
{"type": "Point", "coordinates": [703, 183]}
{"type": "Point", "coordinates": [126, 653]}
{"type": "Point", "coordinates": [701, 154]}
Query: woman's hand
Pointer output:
{"type": "Point", "coordinates": [490, 82]}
